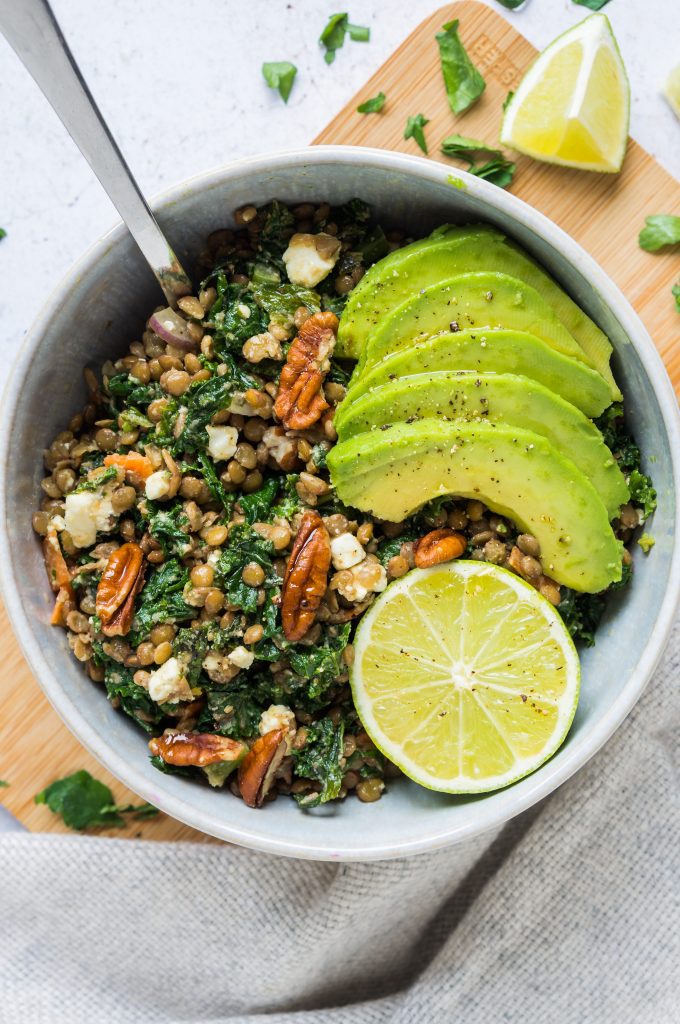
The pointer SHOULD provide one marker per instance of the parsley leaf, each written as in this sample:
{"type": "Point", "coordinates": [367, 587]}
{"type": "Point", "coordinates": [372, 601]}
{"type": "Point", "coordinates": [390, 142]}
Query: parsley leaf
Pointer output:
{"type": "Point", "coordinates": [333, 36]}
{"type": "Point", "coordinates": [592, 5]}
{"type": "Point", "coordinates": [508, 99]}
{"type": "Point", "coordinates": [372, 106]}
{"type": "Point", "coordinates": [464, 84]}
{"type": "Point", "coordinates": [84, 802]}
{"type": "Point", "coordinates": [414, 130]}
{"type": "Point", "coordinates": [676, 295]}
{"type": "Point", "coordinates": [280, 75]}
{"type": "Point", "coordinates": [661, 229]}
{"type": "Point", "coordinates": [497, 170]}
{"type": "Point", "coordinates": [319, 759]}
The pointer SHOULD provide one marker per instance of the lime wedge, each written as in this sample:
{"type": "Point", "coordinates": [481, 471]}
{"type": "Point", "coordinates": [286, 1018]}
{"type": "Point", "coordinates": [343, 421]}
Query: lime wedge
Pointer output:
{"type": "Point", "coordinates": [465, 676]}
{"type": "Point", "coordinates": [572, 106]}
{"type": "Point", "coordinates": [671, 90]}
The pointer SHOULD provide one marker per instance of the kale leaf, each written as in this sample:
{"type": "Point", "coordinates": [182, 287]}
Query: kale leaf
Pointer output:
{"type": "Point", "coordinates": [613, 429]}
{"type": "Point", "coordinates": [256, 506]}
{"type": "Point", "coordinates": [84, 802]}
{"type": "Point", "coordinates": [581, 614]}
{"type": "Point", "coordinates": [127, 694]}
{"type": "Point", "coordinates": [235, 317]}
{"type": "Point", "coordinates": [108, 474]}
{"type": "Point", "coordinates": [166, 524]}
{"type": "Point", "coordinates": [244, 546]}
{"type": "Point", "coordinates": [161, 600]}
{"type": "Point", "coordinates": [280, 301]}
{"type": "Point", "coordinates": [214, 483]}
{"type": "Point", "coordinates": [288, 502]}
{"type": "Point", "coordinates": [192, 646]}
{"type": "Point", "coordinates": [206, 398]}
{"type": "Point", "coordinates": [232, 711]}
{"type": "Point", "coordinates": [642, 492]}
{"type": "Point", "coordinates": [463, 82]}
{"type": "Point", "coordinates": [125, 391]}
{"type": "Point", "coordinates": [319, 760]}
{"type": "Point", "coordinates": [320, 664]}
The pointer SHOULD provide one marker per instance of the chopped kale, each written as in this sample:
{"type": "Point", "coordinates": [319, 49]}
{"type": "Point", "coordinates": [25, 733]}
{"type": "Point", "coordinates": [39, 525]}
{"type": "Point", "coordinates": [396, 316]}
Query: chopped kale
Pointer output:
{"type": "Point", "coordinates": [191, 645]}
{"type": "Point", "coordinates": [280, 301]}
{"type": "Point", "coordinates": [131, 419]}
{"type": "Point", "coordinates": [280, 75]}
{"type": "Point", "coordinates": [235, 316]}
{"type": "Point", "coordinates": [173, 769]}
{"type": "Point", "coordinates": [414, 130]}
{"type": "Point", "coordinates": [164, 435]}
{"type": "Point", "coordinates": [321, 663]}
{"type": "Point", "coordinates": [278, 224]}
{"type": "Point", "coordinates": [206, 398]}
{"type": "Point", "coordinates": [125, 391]}
{"type": "Point", "coordinates": [232, 711]}
{"type": "Point", "coordinates": [613, 428]}
{"type": "Point", "coordinates": [214, 483]}
{"type": "Point", "coordinates": [166, 523]}
{"type": "Point", "coordinates": [581, 614]}
{"type": "Point", "coordinates": [390, 547]}
{"type": "Point", "coordinates": [463, 82]}
{"type": "Point", "coordinates": [372, 106]}
{"type": "Point", "coordinates": [127, 694]}
{"type": "Point", "coordinates": [108, 474]}
{"type": "Point", "coordinates": [642, 492]}
{"type": "Point", "coordinates": [161, 600]}
{"type": "Point", "coordinates": [288, 502]}
{"type": "Point", "coordinates": [84, 802]}
{"type": "Point", "coordinates": [244, 546]}
{"type": "Point", "coordinates": [256, 506]}
{"type": "Point", "coordinates": [319, 760]}
{"type": "Point", "coordinates": [626, 577]}
{"type": "Point", "coordinates": [319, 455]}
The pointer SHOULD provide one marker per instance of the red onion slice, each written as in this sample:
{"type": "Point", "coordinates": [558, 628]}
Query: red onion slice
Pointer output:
{"type": "Point", "coordinates": [170, 326]}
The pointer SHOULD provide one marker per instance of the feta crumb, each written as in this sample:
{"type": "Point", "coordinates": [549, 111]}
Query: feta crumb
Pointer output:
{"type": "Point", "coordinates": [57, 523]}
{"type": "Point", "coordinates": [157, 485]}
{"type": "Point", "coordinates": [222, 443]}
{"type": "Point", "coordinates": [219, 668]}
{"type": "Point", "coordinates": [381, 583]}
{"type": "Point", "coordinates": [168, 683]}
{"type": "Point", "coordinates": [241, 657]}
{"type": "Point", "coordinates": [239, 405]}
{"type": "Point", "coordinates": [310, 258]}
{"type": "Point", "coordinates": [88, 513]}
{"type": "Point", "coordinates": [346, 551]}
{"type": "Point", "coordinates": [278, 716]}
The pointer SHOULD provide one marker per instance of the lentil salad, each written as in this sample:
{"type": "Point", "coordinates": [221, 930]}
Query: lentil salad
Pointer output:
{"type": "Point", "coordinates": [185, 486]}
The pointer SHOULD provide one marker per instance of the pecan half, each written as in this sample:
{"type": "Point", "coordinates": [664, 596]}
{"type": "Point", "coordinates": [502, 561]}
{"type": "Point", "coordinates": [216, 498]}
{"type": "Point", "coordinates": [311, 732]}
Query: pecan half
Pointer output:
{"type": "Point", "coordinates": [121, 581]}
{"type": "Point", "coordinates": [300, 401]}
{"type": "Point", "coordinates": [306, 578]}
{"type": "Point", "coordinates": [256, 771]}
{"type": "Point", "coordinates": [197, 749]}
{"type": "Point", "coordinates": [439, 546]}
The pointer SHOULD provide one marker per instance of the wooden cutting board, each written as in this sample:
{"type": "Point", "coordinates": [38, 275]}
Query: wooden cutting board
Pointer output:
{"type": "Point", "coordinates": [603, 212]}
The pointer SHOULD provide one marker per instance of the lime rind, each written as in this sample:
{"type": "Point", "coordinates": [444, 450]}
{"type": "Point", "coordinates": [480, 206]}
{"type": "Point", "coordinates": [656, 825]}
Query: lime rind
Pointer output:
{"type": "Point", "coordinates": [461, 700]}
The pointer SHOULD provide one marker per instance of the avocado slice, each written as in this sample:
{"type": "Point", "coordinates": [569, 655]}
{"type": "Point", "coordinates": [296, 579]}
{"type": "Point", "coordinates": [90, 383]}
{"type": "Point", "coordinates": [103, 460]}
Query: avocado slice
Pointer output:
{"type": "Point", "coordinates": [480, 301]}
{"type": "Point", "coordinates": [452, 250]}
{"type": "Point", "coordinates": [391, 473]}
{"type": "Point", "coordinates": [497, 351]}
{"type": "Point", "coordinates": [496, 398]}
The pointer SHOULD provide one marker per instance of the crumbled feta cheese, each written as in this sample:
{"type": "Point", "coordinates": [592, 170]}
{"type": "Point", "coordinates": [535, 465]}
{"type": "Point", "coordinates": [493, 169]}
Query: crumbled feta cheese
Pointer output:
{"type": "Point", "coordinates": [356, 583]}
{"type": "Point", "coordinates": [219, 668]}
{"type": "Point", "coordinates": [278, 716]}
{"type": "Point", "coordinates": [168, 683]}
{"type": "Point", "coordinates": [381, 582]}
{"type": "Point", "coordinates": [241, 657]}
{"type": "Point", "coordinates": [157, 485]}
{"type": "Point", "coordinates": [57, 523]}
{"type": "Point", "coordinates": [222, 443]}
{"type": "Point", "coordinates": [239, 405]}
{"type": "Point", "coordinates": [349, 587]}
{"type": "Point", "coordinates": [310, 258]}
{"type": "Point", "coordinates": [346, 551]}
{"type": "Point", "coordinates": [88, 513]}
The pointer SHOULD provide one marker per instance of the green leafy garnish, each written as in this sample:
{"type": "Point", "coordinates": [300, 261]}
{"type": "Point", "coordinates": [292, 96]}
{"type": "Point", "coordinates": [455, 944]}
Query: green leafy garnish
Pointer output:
{"type": "Point", "coordinates": [280, 301]}
{"type": "Point", "coordinates": [205, 399]}
{"type": "Point", "coordinates": [581, 614]}
{"type": "Point", "coordinates": [280, 75]}
{"type": "Point", "coordinates": [321, 664]}
{"type": "Point", "coordinates": [319, 760]}
{"type": "Point", "coordinates": [661, 229]}
{"type": "Point", "coordinates": [372, 106]}
{"type": "Point", "coordinates": [235, 317]}
{"type": "Point", "coordinates": [463, 82]}
{"type": "Point", "coordinates": [215, 485]}
{"type": "Point", "coordinates": [508, 100]}
{"type": "Point", "coordinates": [244, 546]}
{"type": "Point", "coordinates": [497, 169]}
{"type": "Point", "coordinates": [642, 492]}
{"type": "Point", "coordinates": [166, 524]}
{"type": "Point", "coordinates": [84, 802]}
{"type": "Point", "coordinates": [646, 542]}
{"type": "Point", "coordinates": [124, 692]}
{"type": "Point", "coordinates": [592, 5]}
{"type": "Point", "coordinates": [414, 130]}
{"type": "Point", "coordinates": [333, 36]}
{"type": "Point", "coordinates": [676, 295]}
{"type": "Point", "coordinates": [161, 600]}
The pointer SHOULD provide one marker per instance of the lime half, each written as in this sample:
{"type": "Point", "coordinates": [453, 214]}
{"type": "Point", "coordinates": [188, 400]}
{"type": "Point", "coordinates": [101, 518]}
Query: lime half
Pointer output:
{"type": "Point", "coordinates": [572, 106]}
{"type": "Point", "coordinates": [465, 676]}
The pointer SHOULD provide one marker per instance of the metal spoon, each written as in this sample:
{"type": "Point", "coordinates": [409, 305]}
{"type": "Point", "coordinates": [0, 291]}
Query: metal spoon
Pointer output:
{"type": "Point", "coordinates": [32, 31]}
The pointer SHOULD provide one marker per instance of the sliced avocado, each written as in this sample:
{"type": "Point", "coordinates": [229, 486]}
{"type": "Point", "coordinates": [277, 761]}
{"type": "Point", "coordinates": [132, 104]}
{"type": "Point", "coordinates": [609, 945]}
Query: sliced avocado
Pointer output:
{"type": "Point", "coordinates": [497, 351]}
{"type": "Point", "coordinates": [469, 301]}
{"type": "Point", "coordinates": [391, 473]}
{"type": "Point", "coordinates": [496, 398]}
{"type": "Point", "coordinates": [454, 250]}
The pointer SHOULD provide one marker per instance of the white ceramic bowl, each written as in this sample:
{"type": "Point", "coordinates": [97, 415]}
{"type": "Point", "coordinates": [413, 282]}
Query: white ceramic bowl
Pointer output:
{"type": "Point", "coordinates": [101, 306]}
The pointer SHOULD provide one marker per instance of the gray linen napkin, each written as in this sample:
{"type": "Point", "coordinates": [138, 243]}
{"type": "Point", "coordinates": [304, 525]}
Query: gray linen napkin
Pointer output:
{"type": "Point", "coordinates": [568, 915]}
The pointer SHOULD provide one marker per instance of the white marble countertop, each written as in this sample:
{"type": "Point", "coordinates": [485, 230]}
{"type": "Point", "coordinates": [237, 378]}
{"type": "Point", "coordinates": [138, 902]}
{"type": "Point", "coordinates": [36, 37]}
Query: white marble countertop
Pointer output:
{"type": "Point", "coordinates": [180, 84]}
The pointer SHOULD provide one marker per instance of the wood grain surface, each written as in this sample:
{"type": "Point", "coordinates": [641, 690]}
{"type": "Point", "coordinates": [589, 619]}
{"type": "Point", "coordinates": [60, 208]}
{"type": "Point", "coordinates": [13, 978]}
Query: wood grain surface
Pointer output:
{"type": "Point", "coordinates": [603, 212]}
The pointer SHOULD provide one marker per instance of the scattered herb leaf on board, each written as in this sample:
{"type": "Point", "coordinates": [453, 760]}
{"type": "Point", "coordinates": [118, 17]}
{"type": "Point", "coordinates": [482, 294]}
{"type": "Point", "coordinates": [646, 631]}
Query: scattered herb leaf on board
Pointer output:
{"type": "Point", "coordinates": [496, 168]}
{"type": "Point", "coordinates": [3, 784]}
{"type": "Point", "coordinates": [676, 295]}
{"type": "Point", "coordinates": [507, 100]}
{"type": "Point", "coordinates": [280, 75]}
{"type": "Point", "coordinates": [333, 36]}
{"type": "Point", "coordinates": [414, 130]}
{"type": "Point", "coordinates": [84, 802]}
{"type": "Point", "coordinates": [592, 5]}
{"type": "Point", "coordinates": [3, 233]}
{"type": "Point", "coordinates": [464, 84]}
{"type": "Point", "coordinates": [374, 105]}
{"type": "Point", "coordinates": [660, 229]}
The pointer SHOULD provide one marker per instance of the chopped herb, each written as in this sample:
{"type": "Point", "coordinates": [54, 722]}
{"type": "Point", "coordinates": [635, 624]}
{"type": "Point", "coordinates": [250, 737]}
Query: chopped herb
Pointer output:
{"type": "Point", "coordinates": [280, 75]}
{"type": "Point", "coordinates": [659, 230]}
{"type": "Point", "coordinates": [319, 760]}
{"type": "Point", "coordinates": [213, 482]}
{"type": "Point", "coordinates": [612, 426]}
{"type": "Point", "coordinates": [676, 295]}
{"type": "Point", "coordinates": [232, 711]}
{"type": "Point", "coordinates": [463, 82]}
{"type": "Point", "coordinates": [372, 106]}
{"type": "Point", "coordinates": [508, 99]}
{"type": "Point", "coordinates": [191, 645]}
{"type": "Point", "coordinates": [3, 784]}
{"type": "Point", "coordinates": [390, 547]}
{"type": "Point", "coordinates": [3, 233]}
{"type": "Point", "coordinates": [592, 5]}
{"type": "Point", "coordinates": [581, 614]}
{"type": "Point", "coordinates": [642, 492]}
{"type": "Point", "coordinates": [235, 316]}
{"type": "Point", "coordinates": [646, 542]}
{"type": "Point", "coordinates": [125, 390]}
{"type": "Point", "coordinates": [280, 301]}
{"type": "Point", "coordinates": [333, 36]}
{"type": "Point", "coordinates": [84, 802]}
{"type": "Point", "coordinates": [498, 170]}
{"type": "Point", "coordinates": [161, 600]}
{"type": "Point", "coordinates": [104, 477]}
{"type": "Point", "coordinates": [124, 692]}
{"type": "Point", "coordinates": [414, 130]}
{"type": "Point", "coordinates": [289, 500]}
{"type": "Point", "coordinates": [321, 664]}
{"type": "Point", "coordinates": [319, 455]}
{"type": "Point", "coordinates": [131, 418]}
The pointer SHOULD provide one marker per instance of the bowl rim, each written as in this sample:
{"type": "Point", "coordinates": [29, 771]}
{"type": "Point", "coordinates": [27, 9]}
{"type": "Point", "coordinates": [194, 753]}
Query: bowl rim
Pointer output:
{"type": "Point", "coordinates": [547, 778]}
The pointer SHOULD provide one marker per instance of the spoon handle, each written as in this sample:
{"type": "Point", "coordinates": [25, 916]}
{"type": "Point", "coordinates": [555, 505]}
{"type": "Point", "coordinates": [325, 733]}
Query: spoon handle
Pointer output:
{"type": "Point", "coordinates": [32, 31]}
